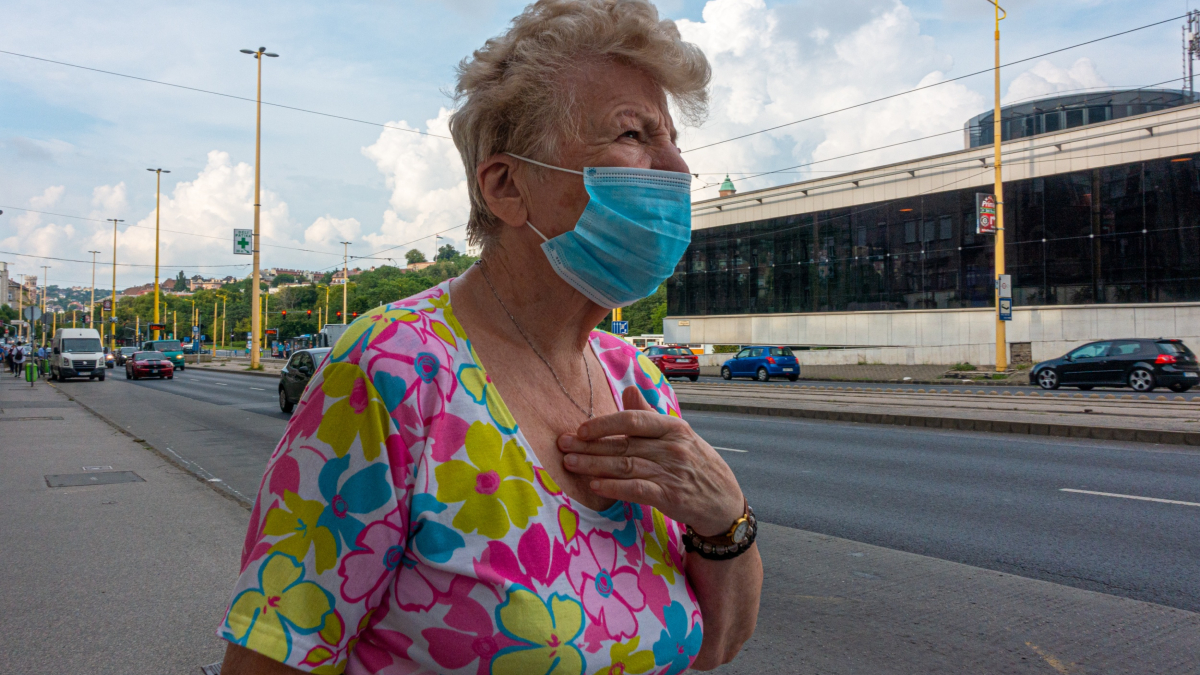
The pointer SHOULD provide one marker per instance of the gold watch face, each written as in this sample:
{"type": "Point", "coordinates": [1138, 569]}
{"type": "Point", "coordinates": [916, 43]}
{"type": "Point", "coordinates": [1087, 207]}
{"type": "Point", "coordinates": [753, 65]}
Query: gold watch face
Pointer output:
{"type": "Point", "coordinates": [740, 532]}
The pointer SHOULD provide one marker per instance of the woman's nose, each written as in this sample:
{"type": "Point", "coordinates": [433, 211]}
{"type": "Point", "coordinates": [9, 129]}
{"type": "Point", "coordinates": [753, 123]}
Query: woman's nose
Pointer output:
{"type": "Point", "coordinates": [667, 157]}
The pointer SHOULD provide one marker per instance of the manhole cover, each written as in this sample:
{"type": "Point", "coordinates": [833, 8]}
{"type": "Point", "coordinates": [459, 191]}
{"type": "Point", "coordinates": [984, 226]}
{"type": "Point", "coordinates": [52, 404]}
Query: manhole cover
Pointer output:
{"type": "Point", "coordinates": [102, 478]}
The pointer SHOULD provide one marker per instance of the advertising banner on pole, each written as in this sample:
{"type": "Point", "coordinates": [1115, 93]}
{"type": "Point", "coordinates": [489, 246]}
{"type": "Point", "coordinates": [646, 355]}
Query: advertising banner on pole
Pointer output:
{"type": "Point", "coordinates": [985, 213]}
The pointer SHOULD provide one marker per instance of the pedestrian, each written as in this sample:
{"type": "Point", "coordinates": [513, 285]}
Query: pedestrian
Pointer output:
{"type": "Point", "coordinates": [18, 359]}
{"type": "Point", "coordinates": [8, 357]}
{"type": "Point", "coordinates": [412, 519]}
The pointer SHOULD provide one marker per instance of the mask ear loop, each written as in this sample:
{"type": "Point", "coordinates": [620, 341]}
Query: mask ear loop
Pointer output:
{"type": "Point", "coordinates": [548, 166]}
{"type": "Point", "coordinates": [539, 232]}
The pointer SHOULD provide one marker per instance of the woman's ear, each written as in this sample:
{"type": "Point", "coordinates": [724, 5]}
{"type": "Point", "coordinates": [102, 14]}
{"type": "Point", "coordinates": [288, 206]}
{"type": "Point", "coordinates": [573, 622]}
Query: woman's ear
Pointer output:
{"type": "Point", "coordinates": [503, 190]}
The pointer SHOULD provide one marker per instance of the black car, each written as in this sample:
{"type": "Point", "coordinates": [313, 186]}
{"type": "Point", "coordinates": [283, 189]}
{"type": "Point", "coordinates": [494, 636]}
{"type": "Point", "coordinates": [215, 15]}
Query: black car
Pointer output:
{"type": "Point", "coordinates": [295, 375]}
{"type": "Point", "coordinates": [1140, 364]}
{"type": "Point", "coordinates": [124, 353]}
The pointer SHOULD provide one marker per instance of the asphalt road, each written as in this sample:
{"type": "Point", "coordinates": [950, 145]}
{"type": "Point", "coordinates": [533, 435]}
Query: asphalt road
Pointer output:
{"type": "Point", "coordinates": [1120, 392]}
{"type": "Point", "coordinates": [989, 500]}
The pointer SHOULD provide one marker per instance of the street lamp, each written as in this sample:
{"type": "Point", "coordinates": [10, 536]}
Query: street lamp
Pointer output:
{"type": "Point", "coordinates": [92, 308]}
{"type": "Point", "coordinates": [1001, 332]}
{"type": "Point", "coordinates": [255, 319]}
{"type": "Point", "coordinates": [346, 277]}
{"type": "Point", "coordinates": [157, 195]}
{"type": "Point", "coordinates": [113, 297]}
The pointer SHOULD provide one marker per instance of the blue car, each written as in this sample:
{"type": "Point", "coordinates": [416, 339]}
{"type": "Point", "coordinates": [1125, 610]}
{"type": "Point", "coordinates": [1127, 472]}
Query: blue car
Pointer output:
{"type": "Point", "coordinates": [762, 363]}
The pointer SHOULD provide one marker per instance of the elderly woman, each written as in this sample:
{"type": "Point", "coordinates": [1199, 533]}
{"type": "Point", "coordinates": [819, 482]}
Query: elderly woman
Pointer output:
{"type": "Point", "coordinates": [477, 481]}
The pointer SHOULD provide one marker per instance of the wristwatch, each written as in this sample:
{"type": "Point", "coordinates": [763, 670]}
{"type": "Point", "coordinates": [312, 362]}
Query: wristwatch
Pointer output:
{"type": "Point", "coordinates": [731, 544]}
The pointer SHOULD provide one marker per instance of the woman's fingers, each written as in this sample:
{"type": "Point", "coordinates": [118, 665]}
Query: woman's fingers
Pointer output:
{"type": "Point", "coordinates": [636, 491]}
{"type": "Point", "coordinates": [611, 467]}
{"type": "Point", "coordinates": [637, 423]}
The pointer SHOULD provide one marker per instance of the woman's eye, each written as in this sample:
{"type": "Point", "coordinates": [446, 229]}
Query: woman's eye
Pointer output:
{"type": "Point", "coordinates": [630, 134]}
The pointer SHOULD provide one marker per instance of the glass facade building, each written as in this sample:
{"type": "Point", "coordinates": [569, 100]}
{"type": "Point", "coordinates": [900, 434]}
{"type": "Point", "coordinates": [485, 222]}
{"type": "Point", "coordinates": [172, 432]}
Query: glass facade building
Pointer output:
{"type": "Point", "coordinates": [1057, 113]}
{"type": "Point", "coordinates": [1119, 234]}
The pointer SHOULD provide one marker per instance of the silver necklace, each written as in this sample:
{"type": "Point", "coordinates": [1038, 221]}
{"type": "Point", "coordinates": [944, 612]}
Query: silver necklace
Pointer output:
{"type": "Point", "coordinates": [590, 412]}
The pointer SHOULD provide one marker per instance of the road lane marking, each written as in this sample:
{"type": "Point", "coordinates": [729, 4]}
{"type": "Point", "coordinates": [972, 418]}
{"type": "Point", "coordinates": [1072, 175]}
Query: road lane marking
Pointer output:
{"type": "Point", "coordinates": [220, 384]}
{"type": "Point", "coordinates": [1144, 499]}
{"type": "Point", "coordinates": [258, 389]}
{"type": "Point", "coordinates": [1050, 660]}
{"type": "Point", "coordinates": [729, 449]}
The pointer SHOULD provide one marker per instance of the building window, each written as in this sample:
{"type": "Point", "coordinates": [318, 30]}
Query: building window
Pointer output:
{"type": "Point", "coordinates": [945, 227]}
{"type": "Point", "coordinates": [910, 232]}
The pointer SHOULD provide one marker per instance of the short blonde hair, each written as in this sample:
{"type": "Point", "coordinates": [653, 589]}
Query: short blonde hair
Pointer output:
{"type": "Point", "coordinates": [512, 97]}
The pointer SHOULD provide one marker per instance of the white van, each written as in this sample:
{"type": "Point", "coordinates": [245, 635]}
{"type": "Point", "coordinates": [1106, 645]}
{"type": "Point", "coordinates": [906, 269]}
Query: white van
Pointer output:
{"type": "Point", "coordinates": [77, 352]}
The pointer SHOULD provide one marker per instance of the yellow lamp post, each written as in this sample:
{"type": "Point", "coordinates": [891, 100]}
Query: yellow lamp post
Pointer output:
{"type": "Point", "coordinates": [157, 196]}
{"type": "Point", "coordinates": [45, 292]}
{"type": "Point", "coordinates": [1001, 332]}
{"type": "Point", "coordinates": [255, 322]}
{"type": "Point", "coordinates": [345, 279]}
{"type": "Point", "coordinates": [113, 297]}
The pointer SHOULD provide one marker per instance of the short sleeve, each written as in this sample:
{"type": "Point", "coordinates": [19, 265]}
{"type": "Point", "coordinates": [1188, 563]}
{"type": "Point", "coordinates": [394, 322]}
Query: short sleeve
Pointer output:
{"type": "Point", "coordinates": [329, 525]}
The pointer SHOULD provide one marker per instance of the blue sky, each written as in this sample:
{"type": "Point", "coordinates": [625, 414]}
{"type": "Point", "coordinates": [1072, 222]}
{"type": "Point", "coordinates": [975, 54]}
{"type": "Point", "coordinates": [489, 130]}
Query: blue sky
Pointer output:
{"type": "Point", "coordinates": [78, 143]}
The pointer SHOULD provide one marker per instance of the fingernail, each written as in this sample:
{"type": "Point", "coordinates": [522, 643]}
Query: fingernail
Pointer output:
{"type": "Point", "coordinates": [566, 441]}
{"type": "Point", "coordinates": [570, 460]}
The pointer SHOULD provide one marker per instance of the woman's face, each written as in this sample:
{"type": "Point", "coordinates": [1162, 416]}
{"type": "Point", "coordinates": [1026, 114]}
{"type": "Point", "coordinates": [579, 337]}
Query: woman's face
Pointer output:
{"type": "Point", "coordinates": [625, 122]}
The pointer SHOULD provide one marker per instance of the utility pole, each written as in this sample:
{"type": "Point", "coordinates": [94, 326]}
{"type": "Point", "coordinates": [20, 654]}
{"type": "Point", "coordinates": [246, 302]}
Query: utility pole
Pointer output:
{"type": "Point", "coordinates": [21, 305]}
{"type": "Point", "coordinates": [113, 297]}
{"type": "Point", "coordinates": [92, 309]}
{"type": "Point", "coordinates": [222, 322]}
{"type": "Point", "coordinates": [45, 292]}
{"type": "Point", "coordinates": [157, 196]}
{"type": "Point", "coordinates": [255, 322]}
{"type": "Point", "coordinates": [1001, 332]}
{"type": "Point", "coordinates": [346, 277]}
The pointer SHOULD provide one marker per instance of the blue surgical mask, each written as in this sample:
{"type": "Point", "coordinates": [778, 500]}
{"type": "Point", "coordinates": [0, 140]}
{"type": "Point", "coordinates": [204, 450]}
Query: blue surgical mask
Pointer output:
{"type": "Point", "coordinates": [636, 227]}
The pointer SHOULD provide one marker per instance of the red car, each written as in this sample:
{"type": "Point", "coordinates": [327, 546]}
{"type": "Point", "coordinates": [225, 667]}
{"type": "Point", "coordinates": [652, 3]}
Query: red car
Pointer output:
{"type": "Point", "coordinates": [148, 364]}
{"type": "Point", "coordinates": [675, 361]}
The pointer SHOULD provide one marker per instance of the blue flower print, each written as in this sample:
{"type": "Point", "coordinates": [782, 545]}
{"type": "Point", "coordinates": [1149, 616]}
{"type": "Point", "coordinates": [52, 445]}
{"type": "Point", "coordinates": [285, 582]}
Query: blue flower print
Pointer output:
{"type": "Point", "coordinates": [429, 538]}
{"type": "Point", "coordinates": [362, 493]}
{"type": "Point", "coordinates": [676, 647]}
{"type": "Point", "coordinates": [628, 513]}
{"type": "Point", "coordinates": [391, 389]}
{"type": "Point", "coordinates": [427, 366]}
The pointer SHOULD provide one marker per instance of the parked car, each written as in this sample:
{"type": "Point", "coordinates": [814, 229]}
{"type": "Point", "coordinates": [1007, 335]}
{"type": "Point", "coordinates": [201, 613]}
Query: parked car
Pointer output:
{"type": "Point", "coordinates": [1140, 364]}
{"type": "Point", "coordinates": [124, 353]}
{"type": "Point", "coordinates": [296, 373]}
{"type": "Point", "coordinates": [148, 364]}
{"type": "Point", "coordinates": [674, 361]}
{"type": "Point", "coordinates": [762, 363]}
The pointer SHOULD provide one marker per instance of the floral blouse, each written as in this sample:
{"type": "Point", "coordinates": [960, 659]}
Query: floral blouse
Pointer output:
{"type": "Point", "coordinates": [404, 525]}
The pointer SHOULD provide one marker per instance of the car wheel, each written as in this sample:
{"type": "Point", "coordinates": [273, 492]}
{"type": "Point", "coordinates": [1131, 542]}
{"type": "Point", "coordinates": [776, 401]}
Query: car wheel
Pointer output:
{"type": "Point", "coordinates": [53, 375]}
{"type": "Point", "coordinates": [693, 378]}
{"type": "Point", "coordinates": [793, 378]}
{"type": "Point", "coordinates": [135, 375]}
{"type": "Point", "coordinates": [170, 377]}
{"type": "Point", "coordinates": [1085, 387]}
{"type": "Point", "coordinates": [763, 375]}
{"type": "Point", "coordinates": [726, 373]}
{"type": "Point", "coordinates": [127, 375]}
{"type": "Point", "coordinates": [1179, 387]}
{"type": "Point", "coordinates": [1141, 380]}
{"type": "Point", "coordinates": [284, 404]}
{"type": "Point", "coordinates": [1048, 379]}
{"type": "Point", "coordinates": [101, 377]}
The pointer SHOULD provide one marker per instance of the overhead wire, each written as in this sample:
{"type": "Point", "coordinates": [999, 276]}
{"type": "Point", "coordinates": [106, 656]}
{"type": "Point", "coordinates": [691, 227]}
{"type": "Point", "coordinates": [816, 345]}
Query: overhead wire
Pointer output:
{"type": "Point", "coordinates": [930, 86]}
{"type": "Point", "coordinates": [222, 94]}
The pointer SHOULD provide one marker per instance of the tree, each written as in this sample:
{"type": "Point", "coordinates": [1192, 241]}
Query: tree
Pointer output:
{"type": "Point", "coordinates": [414, 256]}
{"type": "Point", "coordinates": [181, 282]}
{"type": "Point", "coordinates": [283, 278]}
{"type": "Point", "coordinates": [446, 252]}
{"type": "Point", "coordinates": [327, 278]}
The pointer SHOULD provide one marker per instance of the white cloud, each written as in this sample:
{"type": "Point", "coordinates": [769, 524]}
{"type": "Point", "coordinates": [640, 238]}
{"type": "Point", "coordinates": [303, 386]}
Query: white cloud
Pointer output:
{"type": "Point", "coordinates": [48, 198]}
{"type": "Point", "coordinates": [1045, 79]}
{"type": "Point", "coordinates": [771, 69]}
{"type": "Point", "coordinates": [109, 200]}
{"type": "Point", "coordinates": [429, 187]}
{"type": "Point", "coordinates": [328, 231]}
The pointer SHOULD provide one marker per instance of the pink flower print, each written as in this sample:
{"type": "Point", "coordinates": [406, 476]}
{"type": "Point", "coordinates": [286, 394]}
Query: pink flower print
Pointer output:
{"type": "Point", "coordinates": [382, 652]}
{"type": "Point", "coordinates": [471, 634]}
{"type": "Point", "coordinates": [366, 570]}
{"type": "Point", "coordinates": [307, 418]}
{"type": "Point", "coordinates": [420, 586]}
{"type": "Point", "coordinates": [538, 559]}
{"type": "Point", "coordinates": [610, 594]}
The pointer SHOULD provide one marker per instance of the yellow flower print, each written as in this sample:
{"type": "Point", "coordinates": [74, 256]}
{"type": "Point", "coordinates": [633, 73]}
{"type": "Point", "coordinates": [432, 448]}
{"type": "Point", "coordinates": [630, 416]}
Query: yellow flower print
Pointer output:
{"type": "Point", "coordinates": [264, 619]}
{"type": "Point", "coordinates": [650, 369]}
{"type": "Point", "coordinates": [480, 387]}
{"type": "Point", "coordinates": [360, 413]}
{"type": "Point", "coordinates": [496, 485]}
{"type": "Point", "coordinates": [443, 302]}
{"type": "Point", "coordinates": [657, 548]}
{"type": "Point", "coordinates": [545, 633]}
{"type": "Point", "coordinates": [299, 523]}
{"type": "Point", "coordinates": [367, 325]}
{"type": "Point", "coordinates": [624, 658]}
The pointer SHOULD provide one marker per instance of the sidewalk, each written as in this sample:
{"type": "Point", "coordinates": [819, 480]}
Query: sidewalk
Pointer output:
{"type": "Point", "coordinates": [121, 578]}
{"type": "Point", "coordinates": [926, 374]}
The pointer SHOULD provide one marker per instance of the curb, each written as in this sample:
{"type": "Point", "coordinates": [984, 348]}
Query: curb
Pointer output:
{"type": "Point", "coordinates": [961, 424]}
{"type": "Point", "coordinates": [236, 372]}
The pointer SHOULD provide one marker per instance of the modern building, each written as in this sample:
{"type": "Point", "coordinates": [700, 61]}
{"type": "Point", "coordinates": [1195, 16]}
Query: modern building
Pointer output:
{"type": "Point", "coordinates": [1102, 239]}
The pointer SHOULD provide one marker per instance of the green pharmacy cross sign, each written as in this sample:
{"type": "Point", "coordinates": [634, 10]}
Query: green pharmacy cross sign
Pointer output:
{"type": "Point", "coordinates": [242, 242]}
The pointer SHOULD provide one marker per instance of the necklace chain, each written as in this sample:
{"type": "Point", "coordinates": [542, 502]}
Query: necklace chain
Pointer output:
{"type": "Point", "coordinates": [590, 412]}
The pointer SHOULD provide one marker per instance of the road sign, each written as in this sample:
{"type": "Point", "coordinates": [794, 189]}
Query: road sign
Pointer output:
{"type": "Point", "coordinates": [87, 318]}
{"type": "Point", "coordinates": [195, 329]}
{"type": "Point", "coordinates": [620, 327]}
{"type": "Point", "coordinates": [108, 305]}
{"type": "Point", "coordinates": [31, 313]}
{"type": "Point", "coordinates": [1006, 309]}
{"type": "Point", "coordinates": [985, 213]}
{"type": "Point", "coordinates": [243, 241]}
{"type": "Point", "coordinates": [1004, 283]}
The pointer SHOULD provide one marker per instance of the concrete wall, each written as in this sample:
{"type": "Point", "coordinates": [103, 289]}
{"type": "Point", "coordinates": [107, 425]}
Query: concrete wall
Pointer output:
{"type": "Point", "coordinates": [943, 336]}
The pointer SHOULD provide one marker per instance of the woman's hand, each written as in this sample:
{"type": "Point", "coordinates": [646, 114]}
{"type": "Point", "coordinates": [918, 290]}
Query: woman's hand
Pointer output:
{"type": "Point", "coordinates": [641, 456]}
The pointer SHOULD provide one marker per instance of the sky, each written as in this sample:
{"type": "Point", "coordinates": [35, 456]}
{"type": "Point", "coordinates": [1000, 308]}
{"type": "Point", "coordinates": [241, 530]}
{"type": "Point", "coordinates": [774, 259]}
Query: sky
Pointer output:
{"type": "Point", "coordinates": [77, 143]}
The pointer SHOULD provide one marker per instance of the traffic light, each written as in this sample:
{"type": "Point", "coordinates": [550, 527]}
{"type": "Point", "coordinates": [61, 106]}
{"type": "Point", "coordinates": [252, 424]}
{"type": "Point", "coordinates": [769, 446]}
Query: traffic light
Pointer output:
{"type": "Point", "coordinates": [355, 315]}
{"type": "Point", "coordinates": [284, 313]}
{"type": "Point", "coordinates": [310, 313]}
{"type": "Point", "coordinates": [339, 315]}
